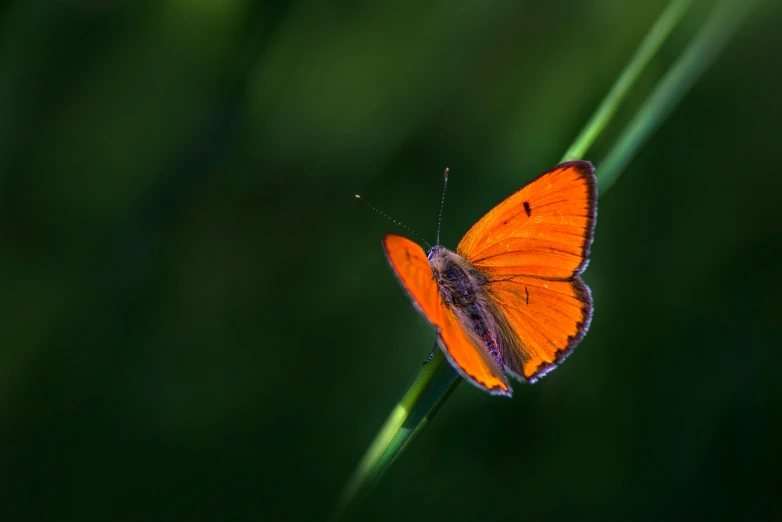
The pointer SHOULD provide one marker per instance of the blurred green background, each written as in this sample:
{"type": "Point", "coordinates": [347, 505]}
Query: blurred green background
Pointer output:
{"type": "Point", "coordinates": [198, 321]}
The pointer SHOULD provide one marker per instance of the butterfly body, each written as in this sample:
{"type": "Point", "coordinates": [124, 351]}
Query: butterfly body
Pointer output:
{"type": "Point", "coordinates": [461, 288]}
{"type": "Point", "coordinates": [510, 299]}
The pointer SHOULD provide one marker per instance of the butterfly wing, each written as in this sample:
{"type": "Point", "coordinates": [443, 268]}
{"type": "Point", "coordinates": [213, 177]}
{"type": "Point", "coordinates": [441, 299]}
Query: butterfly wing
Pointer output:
{"type": "Point", "coordinates": [545, 320]}
{"type": "Point", "coordinates": [531, 249]}
{"type": "Point", "coordinates": [465, 352]}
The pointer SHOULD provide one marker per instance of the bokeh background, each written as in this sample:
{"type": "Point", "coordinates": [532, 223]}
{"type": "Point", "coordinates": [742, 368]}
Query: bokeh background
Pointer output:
{"type": "Point", "coordinates": [197, 320]}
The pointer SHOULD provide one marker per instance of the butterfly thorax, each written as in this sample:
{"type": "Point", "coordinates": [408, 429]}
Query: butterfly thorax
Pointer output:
{"type": "Point", "coordinates": [459, 283]}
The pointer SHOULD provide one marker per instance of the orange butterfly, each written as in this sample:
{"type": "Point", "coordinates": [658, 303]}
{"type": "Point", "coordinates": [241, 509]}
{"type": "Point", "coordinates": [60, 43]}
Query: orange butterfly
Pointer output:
{"type": "Point", "coordinates": [510, 299]}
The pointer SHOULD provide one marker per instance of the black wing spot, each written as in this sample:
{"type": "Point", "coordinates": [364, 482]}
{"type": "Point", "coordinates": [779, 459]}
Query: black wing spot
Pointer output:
{"type": "Point", "coordinates": [526, 292]}
{"type": "Point", "coordinates": [527, 209]}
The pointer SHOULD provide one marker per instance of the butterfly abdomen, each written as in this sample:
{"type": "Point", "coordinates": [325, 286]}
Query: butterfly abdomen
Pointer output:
{"type": "Point", "coordinates": [461, 288]}
{"type": "Point", "coordinates": [478, 321]}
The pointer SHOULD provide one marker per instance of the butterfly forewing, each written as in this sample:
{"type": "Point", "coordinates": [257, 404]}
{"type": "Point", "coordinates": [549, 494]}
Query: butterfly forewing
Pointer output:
{"type": "Point", "coordinates": [543, 229]}
{"type": "Point", "coordinates": [464, 351]}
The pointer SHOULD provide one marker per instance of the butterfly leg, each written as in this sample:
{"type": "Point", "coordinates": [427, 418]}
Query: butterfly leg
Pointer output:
{"type": "Point", "coordinates": [434, 351]}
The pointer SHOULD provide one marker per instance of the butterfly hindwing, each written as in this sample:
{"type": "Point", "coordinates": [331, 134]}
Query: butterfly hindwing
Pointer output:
{"type": "Point", "coordinates": [544, 321]}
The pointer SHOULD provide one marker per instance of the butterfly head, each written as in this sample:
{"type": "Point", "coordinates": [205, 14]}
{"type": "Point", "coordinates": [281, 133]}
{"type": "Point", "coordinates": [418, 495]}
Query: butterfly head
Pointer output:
{"type": "Point", "coordinates": [436, 252]}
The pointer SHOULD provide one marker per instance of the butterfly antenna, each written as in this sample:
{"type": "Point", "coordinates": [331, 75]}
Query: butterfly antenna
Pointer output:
{"type": "Point", "coordinates": [416, 234]}
{"type": "Point", "coordinates": [442, 203]}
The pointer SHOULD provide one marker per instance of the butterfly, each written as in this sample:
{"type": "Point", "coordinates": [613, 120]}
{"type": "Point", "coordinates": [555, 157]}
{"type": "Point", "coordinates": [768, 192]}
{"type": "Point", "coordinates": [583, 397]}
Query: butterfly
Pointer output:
{"type": "Point", "coordinates": [509, 300]}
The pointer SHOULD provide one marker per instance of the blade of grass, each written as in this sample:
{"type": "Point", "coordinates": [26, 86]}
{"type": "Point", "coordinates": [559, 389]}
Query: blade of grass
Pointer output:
{"type": "Point", "coordinates": [437, 380]}
{"type": "Point", "coordinates": [444, 382]}
{"type": "Point", "coordinates": [434, 380]}
{"type": "Point", "coordinates": [715, 33]}
{"type": "Point", "coordinates": [649, 46]}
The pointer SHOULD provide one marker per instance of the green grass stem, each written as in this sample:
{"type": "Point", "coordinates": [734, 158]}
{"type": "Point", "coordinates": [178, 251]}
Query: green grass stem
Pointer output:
{"type": "Point", "coordinates": [722, 23]}
{"type": "Point", "coordinates": [659, 32]}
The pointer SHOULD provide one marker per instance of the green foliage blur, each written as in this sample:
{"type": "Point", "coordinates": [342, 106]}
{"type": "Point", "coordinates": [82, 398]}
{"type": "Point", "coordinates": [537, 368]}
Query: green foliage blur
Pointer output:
{"type": "Point", "coordinates": [197, 320]}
